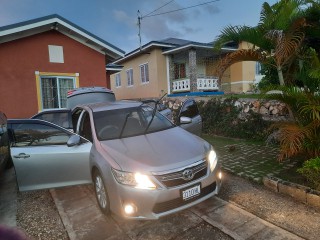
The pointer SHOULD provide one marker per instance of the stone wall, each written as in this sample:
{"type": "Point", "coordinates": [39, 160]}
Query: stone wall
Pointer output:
{"type": "Point", "coordinates": [271, 110]}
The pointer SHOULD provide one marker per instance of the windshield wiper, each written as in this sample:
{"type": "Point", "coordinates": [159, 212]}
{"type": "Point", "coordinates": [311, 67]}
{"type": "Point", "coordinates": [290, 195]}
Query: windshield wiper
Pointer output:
{"type": "Point", "coordinates": [156, 102]}
{"type": "Point", "coordinates": [124, 125]}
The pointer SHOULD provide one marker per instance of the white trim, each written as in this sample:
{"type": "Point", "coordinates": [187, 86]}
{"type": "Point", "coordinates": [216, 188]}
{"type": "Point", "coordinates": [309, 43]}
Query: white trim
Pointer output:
{"type": "Point", "coordinates": [194, 45]}
{"type": "Point", "coordinates": [232, 83]}
{"type": "Point", "coordinates": [61, 22]}
{"type": "Point", "coordinates": [142, 49]}
{"type": "Point", "coordinates": [168, 73]}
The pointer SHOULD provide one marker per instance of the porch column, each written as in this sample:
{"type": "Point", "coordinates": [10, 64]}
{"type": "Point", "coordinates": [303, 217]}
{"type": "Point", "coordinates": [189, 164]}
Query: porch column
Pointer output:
{"type": "Point", "coordinates": [193, 70]}
{"type": "Point", "coordinates": [170, 72]}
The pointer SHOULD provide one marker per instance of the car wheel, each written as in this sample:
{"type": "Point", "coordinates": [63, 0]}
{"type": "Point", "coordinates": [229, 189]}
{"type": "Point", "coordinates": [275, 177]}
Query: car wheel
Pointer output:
{"type": "Point", "coordinates": [101, 193]}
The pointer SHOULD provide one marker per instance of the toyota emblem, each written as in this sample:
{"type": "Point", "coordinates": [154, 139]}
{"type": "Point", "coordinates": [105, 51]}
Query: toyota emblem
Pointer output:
{"type": "Point", "coordinates": [187, 174]}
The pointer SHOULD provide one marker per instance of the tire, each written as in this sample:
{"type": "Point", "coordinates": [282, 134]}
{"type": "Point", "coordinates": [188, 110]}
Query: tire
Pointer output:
{"type": "Point", "coordinates": [101, 193]}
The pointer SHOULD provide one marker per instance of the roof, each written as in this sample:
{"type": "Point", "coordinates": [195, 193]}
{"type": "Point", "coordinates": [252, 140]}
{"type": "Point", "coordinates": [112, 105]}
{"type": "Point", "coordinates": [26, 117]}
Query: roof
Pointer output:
{"type": "Point", "coordinates": [170, 46]}
{"type": "Point", "coordinates": [58, 23]}
{"type": "Point", "coordinates": [105, 106]}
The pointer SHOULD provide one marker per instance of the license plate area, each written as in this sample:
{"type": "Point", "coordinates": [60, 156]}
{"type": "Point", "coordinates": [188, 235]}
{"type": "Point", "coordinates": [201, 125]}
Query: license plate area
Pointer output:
{"type": "Point", "coordinates": [191, 192]}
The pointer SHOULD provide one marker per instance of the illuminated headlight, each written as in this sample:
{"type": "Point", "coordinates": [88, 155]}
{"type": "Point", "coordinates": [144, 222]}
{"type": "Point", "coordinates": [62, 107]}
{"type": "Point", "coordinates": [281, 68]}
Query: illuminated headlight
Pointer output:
{"type": "Point", "coordinates": [136, 180]}
{"type": "Point", "coordinates": [212, 159]}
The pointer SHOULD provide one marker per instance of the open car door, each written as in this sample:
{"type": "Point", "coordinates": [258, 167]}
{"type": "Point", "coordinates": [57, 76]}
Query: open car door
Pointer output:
{"type": "Point", "coordinates": [47, 156]}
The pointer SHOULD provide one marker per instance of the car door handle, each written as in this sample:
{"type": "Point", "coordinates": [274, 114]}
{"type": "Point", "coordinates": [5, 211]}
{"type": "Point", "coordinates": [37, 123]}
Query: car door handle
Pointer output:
{"type": "Point", "coordinates": [22, 155]}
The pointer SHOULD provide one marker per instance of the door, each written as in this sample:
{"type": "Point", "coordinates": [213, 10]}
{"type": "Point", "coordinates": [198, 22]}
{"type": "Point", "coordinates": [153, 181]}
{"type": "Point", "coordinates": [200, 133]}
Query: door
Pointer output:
{"type": "Point", "coordinates": [42, 157]}
{"type": "Point", "coordinates": [190, 109]}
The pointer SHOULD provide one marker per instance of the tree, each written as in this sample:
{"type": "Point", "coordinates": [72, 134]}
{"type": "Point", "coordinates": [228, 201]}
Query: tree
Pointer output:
{"type": "Point", "coordinates": [275, 41]}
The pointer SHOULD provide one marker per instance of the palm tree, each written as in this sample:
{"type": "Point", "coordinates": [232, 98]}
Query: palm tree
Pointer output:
{"type": "Point", "coordinates": [275, 41]}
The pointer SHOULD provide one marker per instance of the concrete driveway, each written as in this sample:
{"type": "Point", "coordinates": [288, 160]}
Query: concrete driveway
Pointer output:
{"type": "Point", "coordinates": [83, 220]}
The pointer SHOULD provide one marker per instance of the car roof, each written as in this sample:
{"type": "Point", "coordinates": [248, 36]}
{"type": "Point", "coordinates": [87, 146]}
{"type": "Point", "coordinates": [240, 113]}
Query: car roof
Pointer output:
{"type": "Point", "coordinates": [82, 90]}
{"type": "Point", "coordinates": [105, 106]}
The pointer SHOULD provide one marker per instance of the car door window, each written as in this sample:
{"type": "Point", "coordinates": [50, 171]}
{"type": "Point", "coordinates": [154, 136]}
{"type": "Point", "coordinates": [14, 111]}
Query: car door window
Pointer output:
{"type": "Point", "coordinates": [85, 127]}
{"type": "Point", "coordinates": [75, 118]}
{"type": "Point", "coordinates": [28, 134]}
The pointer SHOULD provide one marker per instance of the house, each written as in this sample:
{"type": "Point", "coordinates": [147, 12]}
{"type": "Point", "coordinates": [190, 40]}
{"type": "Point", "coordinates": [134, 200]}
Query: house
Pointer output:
{"type": "Point", "coordinates": [179, 67]}
{"type": "Point", "coordinates": [42, 59]}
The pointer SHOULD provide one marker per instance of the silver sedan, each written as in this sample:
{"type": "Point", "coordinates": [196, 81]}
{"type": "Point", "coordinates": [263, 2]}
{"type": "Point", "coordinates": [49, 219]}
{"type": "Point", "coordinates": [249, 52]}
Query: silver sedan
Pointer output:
{"type": "Point", "coordinates": [142, 165]}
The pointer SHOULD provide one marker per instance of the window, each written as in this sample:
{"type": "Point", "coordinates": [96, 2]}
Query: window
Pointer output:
{"type": "Point", "coordinates": [56, 54]}
{"type": "Point", "coordinates": [130, 77]}
{"type": "Point", "coordinates": [85, 127]}
{"type": "Point", "coordinates": [27, 134]}
{"type": "Point", "coordinates": [258, 68]}
{"type": "Point", "coordinates": [144, 73]}
{"type": "Point", "coordinates": [118, 80]}
{"type": "Point", "coordinates": [54, 91]}
{"type": "Point", "coordinates": [179, 70]}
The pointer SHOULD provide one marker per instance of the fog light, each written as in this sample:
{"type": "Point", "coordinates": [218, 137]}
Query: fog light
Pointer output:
{"type": "Point", "coordinates": [129, 209]}
{"type": "Point", "coordinates": [220, 175]}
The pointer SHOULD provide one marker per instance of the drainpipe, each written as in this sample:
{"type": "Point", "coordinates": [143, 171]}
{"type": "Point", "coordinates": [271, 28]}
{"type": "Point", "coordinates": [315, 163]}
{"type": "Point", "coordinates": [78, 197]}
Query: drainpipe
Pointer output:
{"type": "Point", "coordinates": [193, 70]}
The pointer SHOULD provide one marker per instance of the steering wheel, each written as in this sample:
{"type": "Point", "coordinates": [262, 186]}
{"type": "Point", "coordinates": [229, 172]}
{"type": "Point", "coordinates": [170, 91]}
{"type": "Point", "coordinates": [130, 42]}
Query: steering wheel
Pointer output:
{"type": "Point", "coordinates": [108, 129]}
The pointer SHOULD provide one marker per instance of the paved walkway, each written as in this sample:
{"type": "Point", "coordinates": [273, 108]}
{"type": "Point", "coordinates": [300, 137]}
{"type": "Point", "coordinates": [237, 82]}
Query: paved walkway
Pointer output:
{"type": "Point", "coordinates": [83, 220]}
{"type": "Point", "coordinates": [251, 161]}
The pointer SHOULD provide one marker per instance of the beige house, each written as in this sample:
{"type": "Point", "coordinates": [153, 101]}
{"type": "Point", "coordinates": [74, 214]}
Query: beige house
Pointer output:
{"type": "Point", "coordinates": [179, 67]}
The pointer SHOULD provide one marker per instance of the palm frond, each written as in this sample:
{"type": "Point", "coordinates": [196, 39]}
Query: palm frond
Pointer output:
{"type": "Point", "coordinates": [238, 56]}
{"type": "Point", "coordinates": [292, 138]}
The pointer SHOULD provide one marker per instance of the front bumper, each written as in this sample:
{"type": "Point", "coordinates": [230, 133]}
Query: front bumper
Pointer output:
{"type": "Point", "coordinates": [153, 204]}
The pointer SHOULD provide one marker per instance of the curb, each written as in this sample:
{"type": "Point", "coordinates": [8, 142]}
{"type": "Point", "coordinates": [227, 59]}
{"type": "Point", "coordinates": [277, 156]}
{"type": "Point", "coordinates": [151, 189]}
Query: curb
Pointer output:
{"type": "Point", "coordinates": [301, 193]}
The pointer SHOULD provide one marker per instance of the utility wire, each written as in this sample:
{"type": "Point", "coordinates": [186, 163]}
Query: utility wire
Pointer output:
{"type": "Point", "coordinates": [157, 14]}
{"type": "Point", "coordinates": [157, 9]}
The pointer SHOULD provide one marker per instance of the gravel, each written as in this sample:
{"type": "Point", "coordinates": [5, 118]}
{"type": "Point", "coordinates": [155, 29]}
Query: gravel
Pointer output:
{"type": "Point", "coordinates": [39, 218]}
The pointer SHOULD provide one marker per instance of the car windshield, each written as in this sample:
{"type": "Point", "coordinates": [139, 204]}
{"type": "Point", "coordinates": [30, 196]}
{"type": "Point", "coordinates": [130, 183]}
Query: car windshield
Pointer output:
{"type": "Point", "coordinates": [128, 122]}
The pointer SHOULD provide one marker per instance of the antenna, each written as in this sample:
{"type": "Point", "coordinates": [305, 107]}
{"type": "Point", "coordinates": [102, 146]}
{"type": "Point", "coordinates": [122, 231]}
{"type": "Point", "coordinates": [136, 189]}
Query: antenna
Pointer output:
{"type": "Point", "coordinates": [139, 26]}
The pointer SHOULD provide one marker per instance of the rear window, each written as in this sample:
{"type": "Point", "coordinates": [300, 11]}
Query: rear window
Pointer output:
{"type": "Point", "coordinates": [89, 97]}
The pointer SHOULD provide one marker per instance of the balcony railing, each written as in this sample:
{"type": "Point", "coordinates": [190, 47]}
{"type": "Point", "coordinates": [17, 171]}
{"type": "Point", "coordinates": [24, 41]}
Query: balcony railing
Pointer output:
{"type": "Point", "coordinates": [207, 83]}
{"type": "Point", "coordinates": [203, 83]}
{"type": "Point", "coordinates": [181, 85]}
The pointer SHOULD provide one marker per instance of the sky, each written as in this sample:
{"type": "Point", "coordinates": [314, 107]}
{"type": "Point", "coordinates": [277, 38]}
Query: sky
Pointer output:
{"type": "Point", "coordinates": [115, 21]}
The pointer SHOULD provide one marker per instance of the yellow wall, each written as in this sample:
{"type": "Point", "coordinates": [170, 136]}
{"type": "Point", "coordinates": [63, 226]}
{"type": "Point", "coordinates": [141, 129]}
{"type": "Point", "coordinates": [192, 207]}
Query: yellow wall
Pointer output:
{"type": "Point", "coordinates": [242, 75]}
{"type": "Point", "coordinates": [157, 77]}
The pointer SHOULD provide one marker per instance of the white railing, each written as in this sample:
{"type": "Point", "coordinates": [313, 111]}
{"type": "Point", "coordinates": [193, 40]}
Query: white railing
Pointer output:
{"type": "Point", "coordinates": [203, 83]}
{"type": "Point", "coordinates": [207, 83]}
{"type": "Point", "coordinates": [181, 85]}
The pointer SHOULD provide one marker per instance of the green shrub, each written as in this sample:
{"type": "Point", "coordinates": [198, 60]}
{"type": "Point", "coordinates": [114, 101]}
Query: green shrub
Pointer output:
{"type": "Point", "coordinates": [311, 170]}
{"type": "Point", "coordinates": [222, 117]}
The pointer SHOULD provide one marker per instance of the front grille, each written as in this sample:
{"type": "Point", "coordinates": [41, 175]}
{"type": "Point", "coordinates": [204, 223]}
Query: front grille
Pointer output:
{"type": "Point", "coordinates": [178, 202]}
{"type": "Point", "coordinates": [176, 178]}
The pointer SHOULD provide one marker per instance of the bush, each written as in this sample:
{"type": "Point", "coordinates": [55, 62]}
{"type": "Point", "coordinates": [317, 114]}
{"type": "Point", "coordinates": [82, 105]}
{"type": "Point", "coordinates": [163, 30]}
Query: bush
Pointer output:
{"type": "Point", "coordinates": [222, 117]}
{"type": "Point", "coordinates": [311, 170]}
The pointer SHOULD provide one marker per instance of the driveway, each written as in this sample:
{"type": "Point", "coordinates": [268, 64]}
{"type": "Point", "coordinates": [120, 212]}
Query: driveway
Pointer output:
{"type": "Point", "coordinates": [83, 220]}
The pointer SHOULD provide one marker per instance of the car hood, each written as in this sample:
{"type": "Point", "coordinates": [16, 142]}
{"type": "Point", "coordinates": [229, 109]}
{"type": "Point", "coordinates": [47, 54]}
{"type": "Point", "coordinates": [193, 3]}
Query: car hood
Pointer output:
{"type": "Point", "coordinates": [160, 151]}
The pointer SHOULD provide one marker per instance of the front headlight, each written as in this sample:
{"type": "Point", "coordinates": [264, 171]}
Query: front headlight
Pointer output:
{"type": "Point", "coordinates": [212, 159]}
{"type": "Point", "coordinates": [136, 180]}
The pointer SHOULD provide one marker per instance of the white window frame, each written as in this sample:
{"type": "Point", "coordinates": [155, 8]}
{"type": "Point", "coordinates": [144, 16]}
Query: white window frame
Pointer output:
{"type": "Point", "coordinates": [58, 88]}
{"type": "Point", "coordinates": [118, 80]}
{"type": "Point", "coordinates": [129, 77]}
{"type": "Point", "coordinates": [144, 73]}
{"type": "Point", "coordinates": [258, 69]}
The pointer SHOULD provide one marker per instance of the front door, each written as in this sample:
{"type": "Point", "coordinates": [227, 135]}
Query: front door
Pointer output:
{"type": "Point", "coordinates": [42, 158]}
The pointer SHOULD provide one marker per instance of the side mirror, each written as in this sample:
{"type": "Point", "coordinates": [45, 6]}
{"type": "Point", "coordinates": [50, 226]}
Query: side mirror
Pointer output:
{"type": "Point", "coordinates": [185, 120]}
{"type": "Point", "coordinates": [73, 140]}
